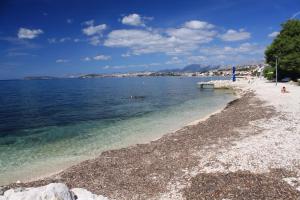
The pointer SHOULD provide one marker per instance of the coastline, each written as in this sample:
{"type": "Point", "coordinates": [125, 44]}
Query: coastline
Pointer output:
{"type": "Point", "coordinates": [45, 174]}
{"type": "Point", "coordinates": [227, 147]}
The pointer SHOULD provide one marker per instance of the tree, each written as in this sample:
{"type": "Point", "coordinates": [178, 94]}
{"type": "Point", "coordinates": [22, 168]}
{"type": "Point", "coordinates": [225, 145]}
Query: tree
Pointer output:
{"type": "Point", "coordinates": [286, 46]}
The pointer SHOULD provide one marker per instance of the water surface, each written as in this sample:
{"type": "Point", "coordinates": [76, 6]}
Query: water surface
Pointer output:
{"type": "Point", "coordinates": [47, 125]}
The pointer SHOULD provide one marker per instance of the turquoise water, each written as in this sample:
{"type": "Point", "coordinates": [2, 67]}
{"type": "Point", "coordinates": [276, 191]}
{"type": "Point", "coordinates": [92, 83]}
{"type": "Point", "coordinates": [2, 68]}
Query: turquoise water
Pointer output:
{"type": "Point", "coordinates": [46, 126]}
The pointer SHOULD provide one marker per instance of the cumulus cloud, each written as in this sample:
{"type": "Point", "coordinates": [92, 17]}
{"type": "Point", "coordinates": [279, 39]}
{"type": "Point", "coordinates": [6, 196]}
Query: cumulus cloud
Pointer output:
{"type": "Point", "coordinates": [87, 59]}
{"type": "Point", "coordinates": [89, 22]}
{"type": "Point", "coordinates": [124, 55]}
{"type": "Point", "coordinates": [245, 48]}
{"type": "Point", "coordinates": [187, 35]}
{"type": "Point", "coordinates": [171, 41]}
{"type": "Point", "coordinates": [196, 24]}
{"type": "Point", "coordinates": [241, 54]}
{"type": "Point", "coordinates": [101, 57]}
{"type": "Point", "coordinates": [25, 33]}
{"type": "Point", "coordinates": [187, 41]}
{"type": "Point", "coordinates": [95, 40]}
{"type": "Point", "coordinates": [62, 61]}
{"type": "Point", "coordinates": [233, 35]}
{"type": "Point", "coordinates": [133, 20]}
{"type": "Point", "coordinates": [273, 34]}
{"type": "Point", "coordinates": [245, 53]}
{"type": "Point", "coordinates": [92, 30]}
{"type": "Point", "coordinates": [97, 57]}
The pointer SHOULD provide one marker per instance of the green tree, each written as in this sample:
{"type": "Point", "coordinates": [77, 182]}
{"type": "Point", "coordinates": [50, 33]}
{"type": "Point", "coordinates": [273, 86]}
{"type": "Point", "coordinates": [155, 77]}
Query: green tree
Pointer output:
{"type": "Point", "coordinates": [286, 46]}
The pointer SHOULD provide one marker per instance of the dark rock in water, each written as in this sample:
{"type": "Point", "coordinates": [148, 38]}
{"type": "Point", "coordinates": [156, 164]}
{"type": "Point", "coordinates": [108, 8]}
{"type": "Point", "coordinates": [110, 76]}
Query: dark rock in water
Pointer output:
{"type": "Point", "coordinates": [2, 190]}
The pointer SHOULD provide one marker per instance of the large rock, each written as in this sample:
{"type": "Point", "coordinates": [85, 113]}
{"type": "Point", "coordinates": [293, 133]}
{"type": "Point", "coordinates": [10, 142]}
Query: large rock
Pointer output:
{"type": "Point", "coordinates": [83, 194]}
{"type": "Point", "coordinates": [53, 191]}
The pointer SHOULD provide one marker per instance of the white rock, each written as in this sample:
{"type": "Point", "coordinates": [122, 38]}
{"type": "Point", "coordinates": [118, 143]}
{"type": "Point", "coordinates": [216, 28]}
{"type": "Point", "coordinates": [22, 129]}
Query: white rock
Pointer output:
{"type": "Point", "coordinates": [53, 191]}
{"type": "Point", "coordinates": [83, 194]}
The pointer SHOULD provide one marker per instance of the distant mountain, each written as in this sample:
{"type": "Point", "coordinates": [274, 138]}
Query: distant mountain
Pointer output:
{"type": "Point", "coordinates": [192, 68]}
{"type": "Point", "coordinates": [40, 78]}
{"type": "Point", "coordinates": [91, 76]}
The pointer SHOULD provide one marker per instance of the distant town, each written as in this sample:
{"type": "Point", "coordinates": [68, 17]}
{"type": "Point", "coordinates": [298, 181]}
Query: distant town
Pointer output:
{"type": "Point", "coordinates": [193, 70]}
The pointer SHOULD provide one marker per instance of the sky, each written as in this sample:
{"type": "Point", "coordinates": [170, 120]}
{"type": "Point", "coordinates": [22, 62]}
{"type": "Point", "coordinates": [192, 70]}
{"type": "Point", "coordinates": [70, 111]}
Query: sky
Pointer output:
{"type": "Point", "coordinates": [64, 37]}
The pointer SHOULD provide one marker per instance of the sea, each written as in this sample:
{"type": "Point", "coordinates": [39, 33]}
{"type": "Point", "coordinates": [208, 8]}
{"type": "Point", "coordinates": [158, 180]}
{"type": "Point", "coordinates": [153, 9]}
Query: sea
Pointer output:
{"type": "Point", "coordinates": [49, 125]}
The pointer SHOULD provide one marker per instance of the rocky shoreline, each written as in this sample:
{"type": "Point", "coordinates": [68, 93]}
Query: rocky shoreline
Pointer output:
{"type": "Point", "coordinates": [186, 164]}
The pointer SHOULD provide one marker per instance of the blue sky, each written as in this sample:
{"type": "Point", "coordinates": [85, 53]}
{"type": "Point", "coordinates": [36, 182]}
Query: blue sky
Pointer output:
{"type": "Point", "coordinates": [59, 38]}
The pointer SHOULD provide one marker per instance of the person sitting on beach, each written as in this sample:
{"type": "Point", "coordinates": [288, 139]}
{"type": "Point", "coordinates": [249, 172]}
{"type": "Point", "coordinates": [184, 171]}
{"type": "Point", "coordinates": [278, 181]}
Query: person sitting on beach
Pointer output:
{"type": "Point", "coordinates": [283, 90]}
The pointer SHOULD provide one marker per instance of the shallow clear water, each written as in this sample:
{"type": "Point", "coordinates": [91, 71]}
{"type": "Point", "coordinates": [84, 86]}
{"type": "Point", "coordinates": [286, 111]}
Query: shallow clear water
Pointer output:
{"type": "Point", "coordinates": [47, 125]}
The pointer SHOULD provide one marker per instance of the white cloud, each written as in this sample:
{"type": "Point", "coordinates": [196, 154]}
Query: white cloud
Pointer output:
{"type": "Point", "coordinates": [89, 22]}
{"type": "Point", "coordinates": [92, 30]}
{"type": "Point", "coordinates": [62, 61]}
{"type": "Point", "coordinates": [186, 44]}
{"type": "Point", "coordinates": [124, 55]}
{"type": "Point", "coordinates": [87, 59]}
{"type": "Point", "coordinates": [233, 35]}
{"type": "Point", "coordinates": [273, 34]}
{"type": "Point", "coordinates": [295, 15]}
{"type": "Point", "coordinates": [196, 24]}
{"type": "Point", "coordinates": [101, 57]}
{"type": "Point", "coordinates": [174, 61]}
{"type": "Point", "coordinates": [244, 53]}
{"type": "Point", "coordinates": [187, 35]}
{"type": "Point", "coordinates": [171, 41]}
{"type": "Point", "coordinates": [95, 40]}
{"type": "Point", "coordinates": [97, 57]}
{"type": "Point", "coordinates": [133, 20]}
{"type": "Point", "coordinates": [129, 38]}
{"type": "Point", "coordinates": [245, 48]}
{"type": "Point", "coordinates": [25, 33]}
{"type": "Point", "coordinates": [139, 41]}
